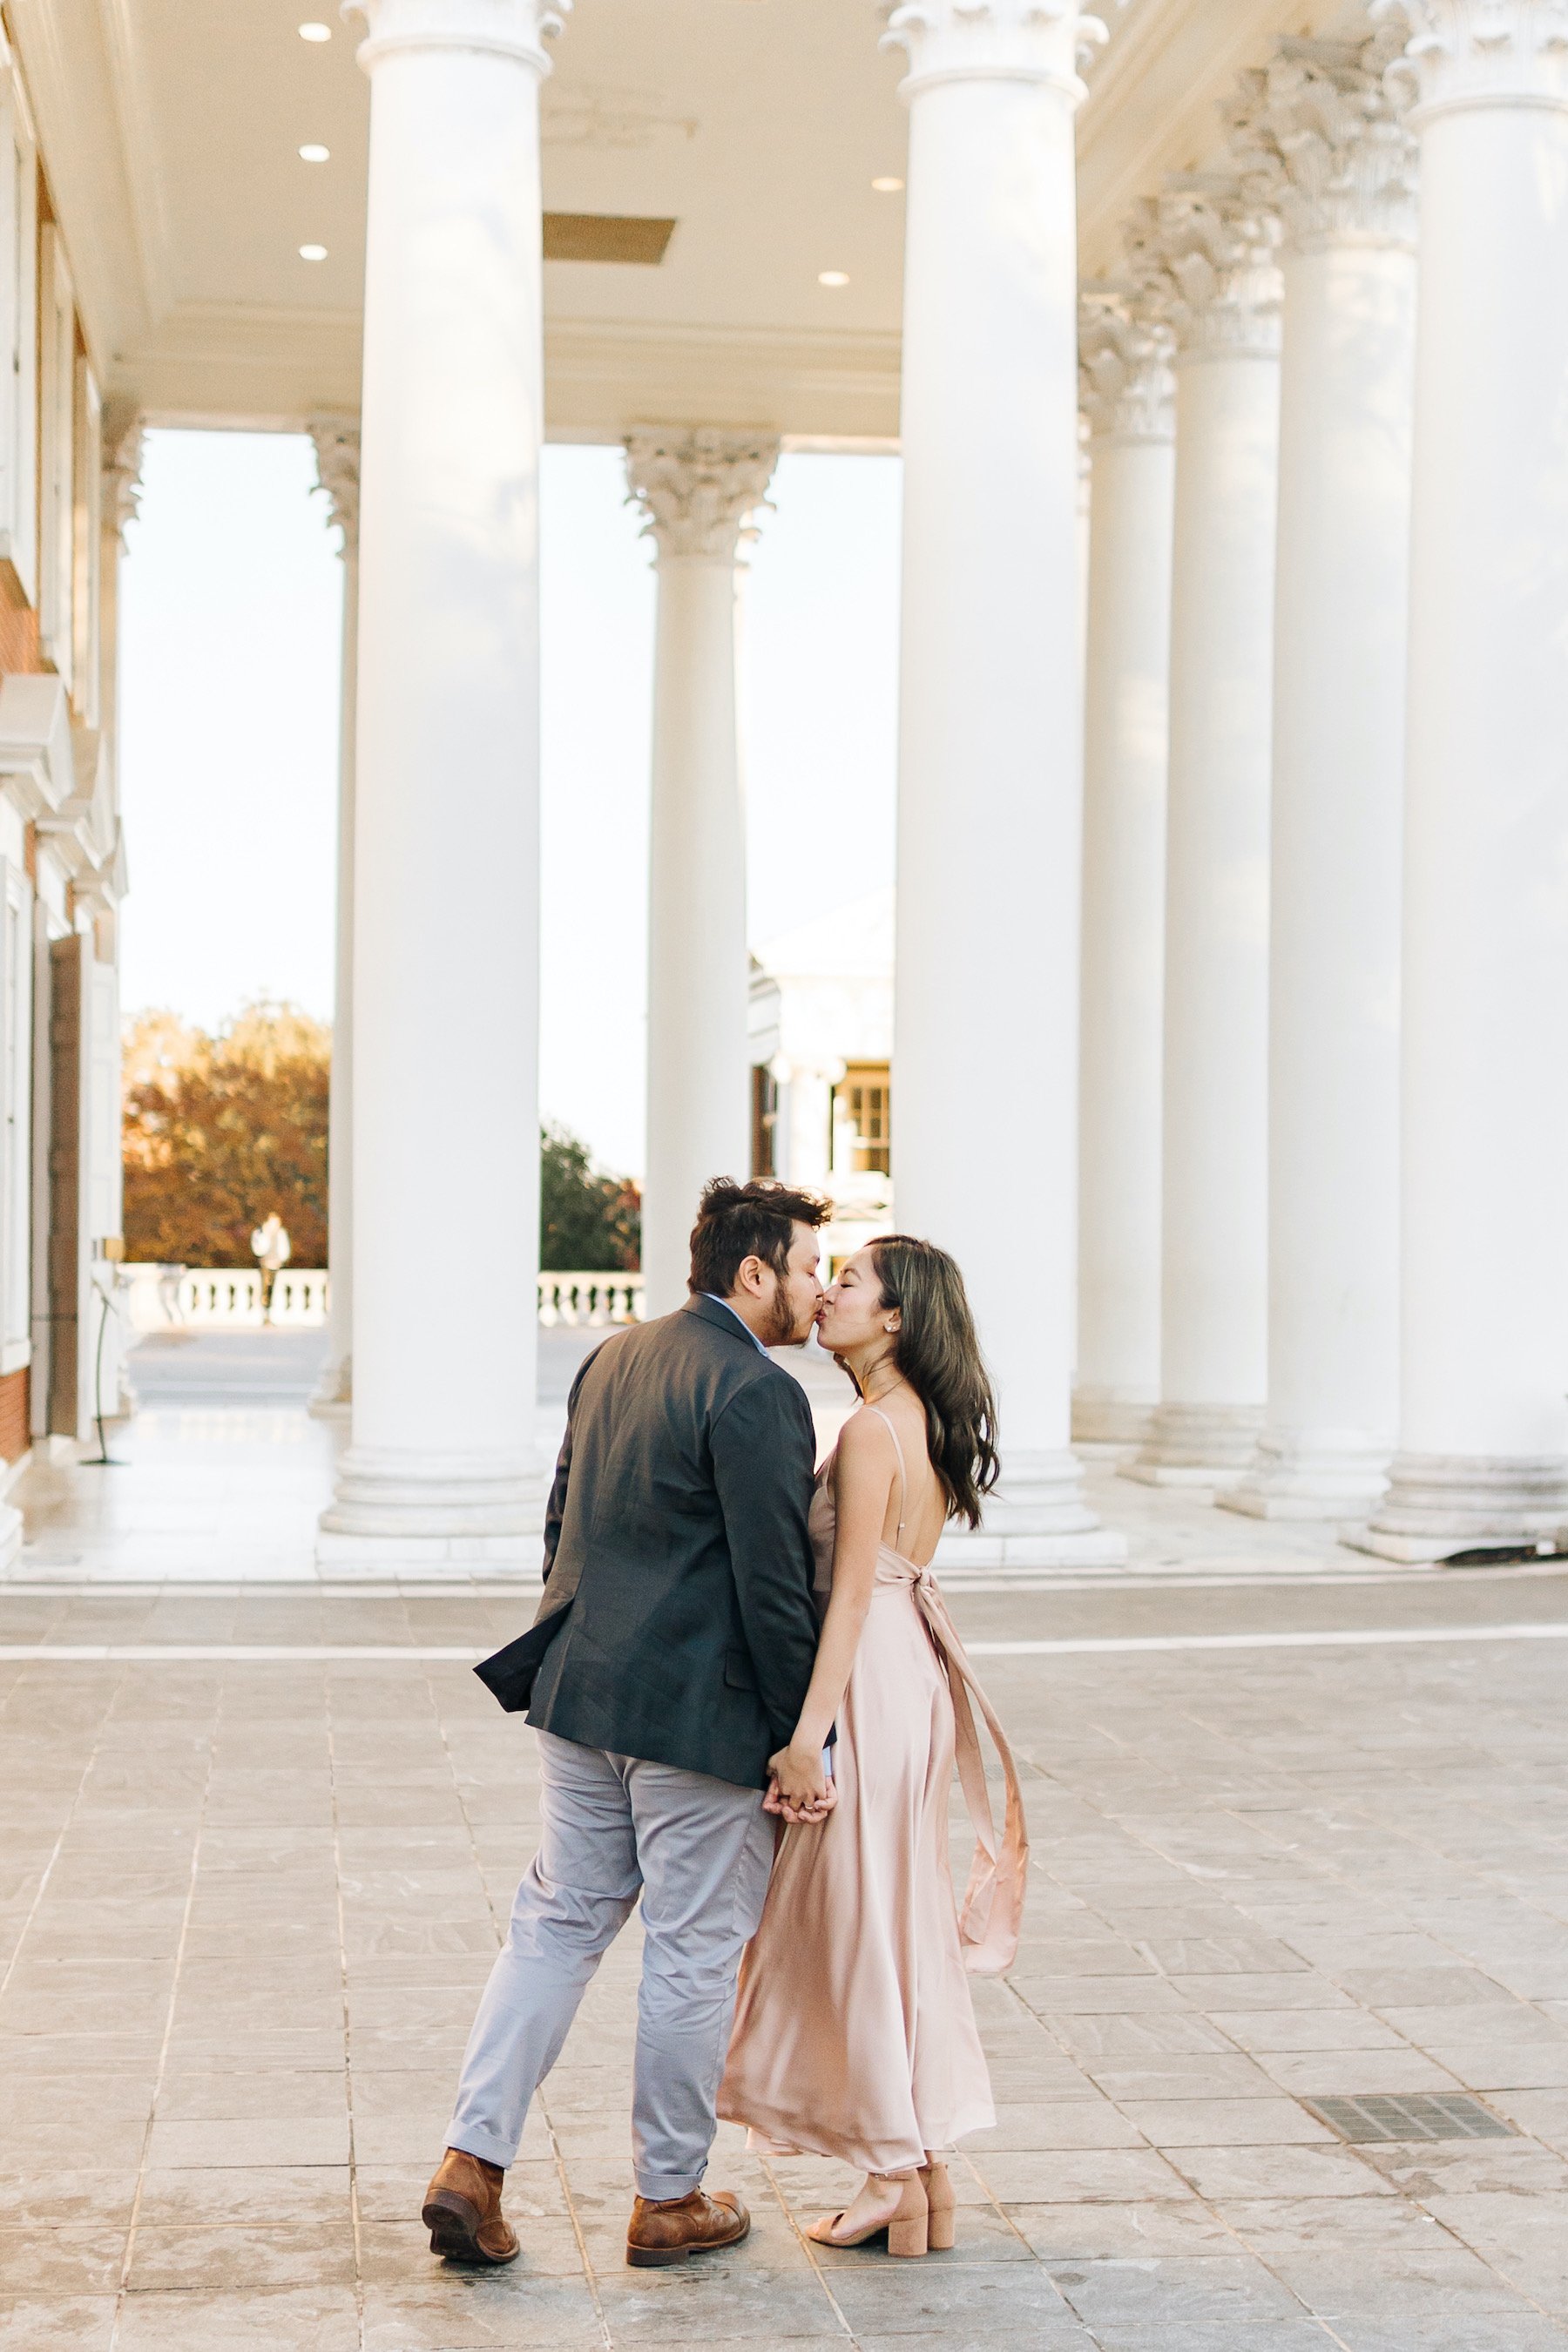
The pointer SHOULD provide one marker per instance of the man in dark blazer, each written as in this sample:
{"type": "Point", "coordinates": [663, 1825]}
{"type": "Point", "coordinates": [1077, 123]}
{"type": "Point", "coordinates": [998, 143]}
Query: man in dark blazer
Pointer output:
{"type": "Point", "coordinates": [669, 1659]}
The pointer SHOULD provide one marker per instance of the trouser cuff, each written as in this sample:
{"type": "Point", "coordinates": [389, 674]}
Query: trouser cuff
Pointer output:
{"type": "Point", "coordinates": [659, 2187]}
{"type": "Point", "coordinates": [473, 2142]}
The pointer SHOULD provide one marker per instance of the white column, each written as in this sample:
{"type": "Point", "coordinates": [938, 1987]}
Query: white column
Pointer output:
{"type": "Point", "coordinates": [1483, 1437]}
{"type": "Point", "coordinates": [806, 1116]}
{"type": "Point", "coordinates": [1318, 128]}
{"type": "Point", "coordinates": [441, 1472]}
{"type": "Point", "coordinates": [698, 487]}
{"type": "Point", "coordinates": [989, 774]}
{"type": "Point", "coordinates": [1205, 256]}
{"type": "Point", "coordinates": [337, 471]}
{"type": "Point", "coordinates": [1128, 394]}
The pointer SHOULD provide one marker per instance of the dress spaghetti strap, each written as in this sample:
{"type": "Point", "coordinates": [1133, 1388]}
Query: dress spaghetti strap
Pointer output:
{"type": "Point", "coordinates": [903, 1476]}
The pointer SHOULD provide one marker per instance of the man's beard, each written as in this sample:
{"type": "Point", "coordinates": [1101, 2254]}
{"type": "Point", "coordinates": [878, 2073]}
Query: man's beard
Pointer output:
{"type": "Point", "coordinates": [781, 1331]}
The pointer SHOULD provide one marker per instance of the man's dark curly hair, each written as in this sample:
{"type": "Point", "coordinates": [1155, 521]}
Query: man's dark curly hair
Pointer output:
{"type": "Point", "coordinates": [735, 1221]}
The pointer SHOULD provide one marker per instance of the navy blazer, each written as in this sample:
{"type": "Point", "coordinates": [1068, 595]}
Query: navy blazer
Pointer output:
{"type": "Point", "coordinates": [677, 1622]}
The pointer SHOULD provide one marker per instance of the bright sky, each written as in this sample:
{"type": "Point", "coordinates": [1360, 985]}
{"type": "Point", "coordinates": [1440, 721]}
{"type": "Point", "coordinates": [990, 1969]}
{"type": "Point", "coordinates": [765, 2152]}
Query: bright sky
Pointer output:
{"type": "Point", "coordinates": [231, 617]}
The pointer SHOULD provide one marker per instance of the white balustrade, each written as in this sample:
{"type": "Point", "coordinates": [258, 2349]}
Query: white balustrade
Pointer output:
{"type": "Point", "coordinates": [229, 1298]}
{"type": "Point", "coordinates": [591, 1299]}
{"type": "Point", "coordinates": [209, 1299]}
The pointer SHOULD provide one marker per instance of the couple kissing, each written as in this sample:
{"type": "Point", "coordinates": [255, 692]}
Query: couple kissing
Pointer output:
{"type": "Point", "coordinates": [749, 1701]}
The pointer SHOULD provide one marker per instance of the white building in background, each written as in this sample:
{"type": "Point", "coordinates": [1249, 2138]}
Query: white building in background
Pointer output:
{"type": "Point", "coordinates": [821, 1029]}
{"type": "Point", "coordinates": [68, 453]}
{"type": "Point", "coordinates": [1312, 903]}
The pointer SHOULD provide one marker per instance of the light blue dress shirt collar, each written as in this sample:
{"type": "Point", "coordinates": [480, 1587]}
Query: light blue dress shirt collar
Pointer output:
{"type": "Point", "coordinates": [739, 1320]}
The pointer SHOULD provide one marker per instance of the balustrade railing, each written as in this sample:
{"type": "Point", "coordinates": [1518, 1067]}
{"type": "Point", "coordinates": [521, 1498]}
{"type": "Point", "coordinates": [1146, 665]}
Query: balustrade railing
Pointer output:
{"type": "Point", "coordinates": [207, 1298]}
{"type": "Point", "coordinates": [590, 1298]}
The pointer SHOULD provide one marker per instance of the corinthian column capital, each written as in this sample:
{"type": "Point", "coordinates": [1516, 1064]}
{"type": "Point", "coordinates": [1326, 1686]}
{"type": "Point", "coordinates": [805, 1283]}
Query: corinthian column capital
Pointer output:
{"type": "Point", "coordinates": [1126, 388]}
{"type": "Point", "coordinates": [698, 485]}
{"type": "Point", "coordinates": [1479, 52]}
{"type": "Point", "coordinates": [992, 40]}
{"type": "Point", "coordinates": [511, 28]}
{"type": "Point", "coordinates": [123, 444]}
{"type": "Point", "coordinates": [1319, 134]}
{"type": "Point", "coordinates": [1202, 256]}
{"type": "Point", "coordinates": [336, 440]}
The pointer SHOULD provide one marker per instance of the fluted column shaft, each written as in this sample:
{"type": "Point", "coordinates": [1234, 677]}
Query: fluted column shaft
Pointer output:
{"type": "Point", "coordinates": [1483, 1442]}
{"type": "Point", "coordinates": [336, 465]}
{"type": "Point", "coordinates": [442, 1472]}
{"type": "Point", "coordinates": [1205, 256]}
{"type": "Point", "coordinates": [989, 818]}
{"type": "Point", "coordinates": [1321, 134]}
{"type": "Point", "coordinates": [698, 487]}
{"type": "Point", "coordinates": [1128, 396]}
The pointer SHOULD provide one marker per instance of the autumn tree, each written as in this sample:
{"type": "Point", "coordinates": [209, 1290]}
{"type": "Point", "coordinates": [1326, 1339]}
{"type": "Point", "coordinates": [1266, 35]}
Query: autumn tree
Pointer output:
{"type": "Point", "coordinates": [588, 1224]}
{"type": "Point", "coordinates": [219, 1130]}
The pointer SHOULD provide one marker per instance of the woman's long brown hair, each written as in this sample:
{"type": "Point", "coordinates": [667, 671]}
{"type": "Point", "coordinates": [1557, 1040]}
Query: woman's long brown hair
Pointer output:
{"type": "Point", "coordinates": [937, 1351]}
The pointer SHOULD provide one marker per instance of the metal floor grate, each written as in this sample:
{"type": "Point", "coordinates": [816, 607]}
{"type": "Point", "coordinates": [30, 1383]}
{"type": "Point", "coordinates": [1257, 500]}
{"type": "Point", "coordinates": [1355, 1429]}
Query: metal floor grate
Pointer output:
{"type": "Point", "coordinates": [1417, 2115]}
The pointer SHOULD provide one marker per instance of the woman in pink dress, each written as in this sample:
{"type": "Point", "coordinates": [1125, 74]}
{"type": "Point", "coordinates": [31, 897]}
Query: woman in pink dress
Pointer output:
{"type": "Point", "coordinates": [855, 2034]}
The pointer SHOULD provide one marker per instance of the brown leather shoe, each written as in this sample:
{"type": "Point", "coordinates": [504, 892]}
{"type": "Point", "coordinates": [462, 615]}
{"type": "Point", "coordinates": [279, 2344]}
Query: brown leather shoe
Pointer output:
{"type": "Point", "coordinates": [462, 2211]}
{"type": "Point", "coordinates": [669, 2230]}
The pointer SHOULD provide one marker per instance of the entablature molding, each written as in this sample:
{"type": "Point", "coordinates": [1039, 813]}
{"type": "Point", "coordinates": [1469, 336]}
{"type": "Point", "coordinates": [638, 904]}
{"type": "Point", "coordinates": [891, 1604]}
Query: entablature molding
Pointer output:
{"type": "Point", "coordinates": [38, 760]}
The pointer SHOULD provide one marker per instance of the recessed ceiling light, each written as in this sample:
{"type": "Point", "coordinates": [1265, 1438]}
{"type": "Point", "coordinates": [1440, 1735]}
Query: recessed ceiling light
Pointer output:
{"type": "Point", "coordinates": [311, 153]}
{"type": "Point", "coordinates": [832, 278]}
{"type": "Point", "coordinates": [315, 32]}
{"type": "Point", "coordinates": [886, 185]}
{"type": "Point", "coordinates": [312, 253]}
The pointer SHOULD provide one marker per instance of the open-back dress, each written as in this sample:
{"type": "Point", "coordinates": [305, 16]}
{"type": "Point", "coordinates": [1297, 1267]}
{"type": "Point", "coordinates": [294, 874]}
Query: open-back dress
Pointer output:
{"type": "Point", "coordinates": [855, 2034]}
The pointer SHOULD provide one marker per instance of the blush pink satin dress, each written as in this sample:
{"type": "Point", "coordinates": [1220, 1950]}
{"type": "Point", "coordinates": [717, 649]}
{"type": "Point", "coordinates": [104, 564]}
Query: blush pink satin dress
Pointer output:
{"type": "Point", "coordinates": [855, 2034]}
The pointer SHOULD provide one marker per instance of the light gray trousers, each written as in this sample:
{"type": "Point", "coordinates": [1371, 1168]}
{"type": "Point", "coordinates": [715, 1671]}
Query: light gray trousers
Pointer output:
{"type": "Point", "coordinates": [699, 1852]}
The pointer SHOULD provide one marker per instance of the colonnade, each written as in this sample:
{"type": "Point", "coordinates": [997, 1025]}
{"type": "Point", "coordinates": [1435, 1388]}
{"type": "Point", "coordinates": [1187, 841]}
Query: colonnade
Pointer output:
{"type": "Point", "coordinates": [1364, 1296]}
{"type": "Point", "coordinates": [1216, 1211]}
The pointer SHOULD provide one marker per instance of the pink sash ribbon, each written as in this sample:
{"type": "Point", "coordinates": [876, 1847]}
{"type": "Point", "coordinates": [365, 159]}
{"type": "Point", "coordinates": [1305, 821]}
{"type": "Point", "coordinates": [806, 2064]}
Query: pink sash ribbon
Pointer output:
{"type": "Point", "coordinates": [993, 1908]}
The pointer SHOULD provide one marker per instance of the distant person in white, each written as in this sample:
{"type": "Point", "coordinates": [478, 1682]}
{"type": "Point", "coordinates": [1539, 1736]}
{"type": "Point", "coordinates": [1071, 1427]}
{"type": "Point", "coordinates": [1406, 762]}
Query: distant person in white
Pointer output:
{"type": "Point", "coordinates": [272, 1249]}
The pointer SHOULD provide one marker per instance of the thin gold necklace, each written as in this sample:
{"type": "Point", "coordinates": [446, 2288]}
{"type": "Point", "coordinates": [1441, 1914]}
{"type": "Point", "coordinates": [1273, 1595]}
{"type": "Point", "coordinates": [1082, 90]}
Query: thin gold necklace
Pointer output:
{"type": "Point", "coordinates": [898, 1383]}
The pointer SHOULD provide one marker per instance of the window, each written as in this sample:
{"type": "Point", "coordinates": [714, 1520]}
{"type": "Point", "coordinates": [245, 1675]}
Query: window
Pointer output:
{"type": "Point", "coordinates": [18, 330]}
{"type": "Point", "coordinates": [862, 1102]}
{"type": "Point", "coordinates": [15, 1107]}
{"type": "Point", "coordinates": [56, 507]}
{"type": "Point", "coordinates": [87, 539]}
{"type": "Point", "coordinates": [764, 1119]}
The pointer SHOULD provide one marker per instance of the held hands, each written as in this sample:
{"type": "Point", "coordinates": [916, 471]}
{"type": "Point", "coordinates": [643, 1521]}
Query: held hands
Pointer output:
{"type": "Point", "coordinates": [800, 1790]}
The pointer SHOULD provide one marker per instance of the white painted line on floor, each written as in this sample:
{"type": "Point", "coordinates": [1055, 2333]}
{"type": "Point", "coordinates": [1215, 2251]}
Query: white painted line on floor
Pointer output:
{"type": "Point", "coordinates": [1347, 1638]}
{"type": "Point", "coordinates": [240, 1653]}
{"type": "Point", "coordinates": [244, 1653]}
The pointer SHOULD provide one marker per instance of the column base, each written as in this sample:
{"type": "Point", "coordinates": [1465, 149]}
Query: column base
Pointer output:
{"type": "Point", "coordinates": [1111, 1417]}
{"type": "Point", "coordinates": [445, 1515]}
{"type": "Point", "coordinates": [332, 1397]}
{"type": "Point", "coordinates": [1036, 1518]}
{"type": "Point", "coordinates": [1441, 1504]}
{"type": "Point", "coordinates": [1198, 1446]}
{"type": "Point", "coordinates": [1310, 1475]}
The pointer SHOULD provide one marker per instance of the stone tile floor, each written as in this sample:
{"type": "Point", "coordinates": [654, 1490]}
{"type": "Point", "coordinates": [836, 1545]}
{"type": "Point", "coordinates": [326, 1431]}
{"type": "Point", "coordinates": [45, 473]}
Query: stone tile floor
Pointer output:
{"type": "Point", "coordinates": [246, 1905]}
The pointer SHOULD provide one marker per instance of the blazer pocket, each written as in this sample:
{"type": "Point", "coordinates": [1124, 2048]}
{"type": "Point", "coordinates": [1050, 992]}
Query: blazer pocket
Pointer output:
{"type": "Point", "coordinates": [738, 1671]}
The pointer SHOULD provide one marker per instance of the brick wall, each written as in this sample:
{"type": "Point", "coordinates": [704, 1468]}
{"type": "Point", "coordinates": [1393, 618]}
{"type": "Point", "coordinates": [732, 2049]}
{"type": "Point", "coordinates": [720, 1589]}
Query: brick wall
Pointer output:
{"type": "Point", "coordinates": [16, 1414]}
{"type": "Point", "coordinates": [18, 626]}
